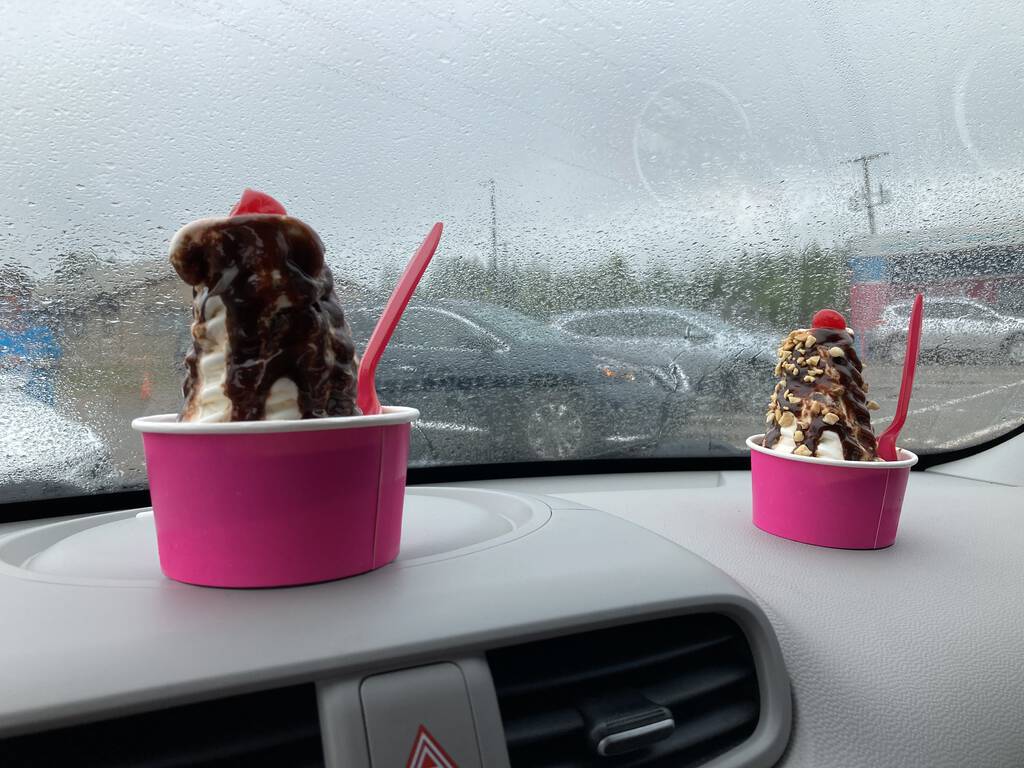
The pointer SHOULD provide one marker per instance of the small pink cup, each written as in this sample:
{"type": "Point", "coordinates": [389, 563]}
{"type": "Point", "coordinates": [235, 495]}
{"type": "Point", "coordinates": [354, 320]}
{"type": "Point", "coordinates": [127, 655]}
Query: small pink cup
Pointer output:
{"type": "Point", "coordinates": [277, 503]}
{"type": "Point", "coordinates": [828, 502]}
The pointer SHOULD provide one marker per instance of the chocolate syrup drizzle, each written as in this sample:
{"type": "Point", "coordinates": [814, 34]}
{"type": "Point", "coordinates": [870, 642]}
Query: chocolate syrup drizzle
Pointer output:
{"type": "Point", "coordinates": [283, 318]}
{"type": "Point", "coordinates": [837, 387]}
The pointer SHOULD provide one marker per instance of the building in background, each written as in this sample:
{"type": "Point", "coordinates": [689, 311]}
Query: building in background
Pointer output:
{"type": "Point", "coordinates": [984, 264]}
{"type": "Point", "coordinates": [29, 350]}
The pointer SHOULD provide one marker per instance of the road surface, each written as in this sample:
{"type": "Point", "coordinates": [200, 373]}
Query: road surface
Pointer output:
{"type": "Point", "coordinates": [953, 406]}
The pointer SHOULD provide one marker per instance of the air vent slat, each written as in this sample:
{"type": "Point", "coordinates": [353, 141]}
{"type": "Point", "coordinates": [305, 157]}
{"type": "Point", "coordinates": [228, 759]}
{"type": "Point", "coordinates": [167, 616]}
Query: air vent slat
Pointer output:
{"type": "Point", "coordinates": [676, 692]}
{"type": "Point", "coordinates": [706, 729]}
{"type": "Point", "coordinates": [533, 729]}
{"type": "Point", "coordinates": [711, 729]}
{"type": "Point", "coordinates": [530, 729]}
{"type": "Point", "coordinates": [621, 667]}
{"type": "Point", "coordinates": [263, 745]}
{"type": "Point", "coordinates": [271, 728]}
{"type": "Point", "coordinates": [699, 667]}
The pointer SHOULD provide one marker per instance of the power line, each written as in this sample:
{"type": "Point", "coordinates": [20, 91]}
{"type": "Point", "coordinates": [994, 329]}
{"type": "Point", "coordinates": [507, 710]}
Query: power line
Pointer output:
{"type": "Point", "coordinates": [870, 201]}
{"type": "Point", "coordinates": [494, 229]}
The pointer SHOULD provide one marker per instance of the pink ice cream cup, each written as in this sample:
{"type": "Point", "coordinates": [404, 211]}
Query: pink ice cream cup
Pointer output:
{"type": "Point", "coordinates": [277, 503]}
{"type": "Point", "coordinates": [828, 502]}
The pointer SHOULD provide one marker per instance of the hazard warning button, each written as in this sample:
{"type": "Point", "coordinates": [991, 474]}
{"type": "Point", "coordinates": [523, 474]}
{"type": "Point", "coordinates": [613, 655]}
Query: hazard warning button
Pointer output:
{"type": "Point", "coordinates": [427, 752]}
{"type": "Point", "coordinates": [420, 718]}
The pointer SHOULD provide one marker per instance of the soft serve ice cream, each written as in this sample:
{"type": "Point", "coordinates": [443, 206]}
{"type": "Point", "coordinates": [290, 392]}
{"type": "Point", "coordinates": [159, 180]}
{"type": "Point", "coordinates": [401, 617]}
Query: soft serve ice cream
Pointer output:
{"type": "Point", "coordinates": [270, 340]}
{"type": "Point", "coordinates": [819, 406]}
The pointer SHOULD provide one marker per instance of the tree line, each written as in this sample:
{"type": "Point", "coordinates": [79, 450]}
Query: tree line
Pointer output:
{"type": "Point", "coordinates": [780, 289]}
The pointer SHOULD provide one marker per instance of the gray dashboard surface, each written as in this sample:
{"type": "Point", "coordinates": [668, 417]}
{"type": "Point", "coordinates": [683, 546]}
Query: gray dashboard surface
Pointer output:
{"type": "Point", "coordinates": [909, 656]}
{"type": "Point", "coordinates": [82, 639]}
{"type": "Point", "coordinates": [119, 549]}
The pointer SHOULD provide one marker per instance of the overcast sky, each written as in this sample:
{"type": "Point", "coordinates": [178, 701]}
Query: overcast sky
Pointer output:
{"type": "Point", "coordinates": [668, 130]}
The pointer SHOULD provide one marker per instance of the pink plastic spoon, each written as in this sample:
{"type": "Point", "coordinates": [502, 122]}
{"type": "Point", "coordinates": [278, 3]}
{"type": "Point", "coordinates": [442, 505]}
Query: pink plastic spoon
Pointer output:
{"type": "Point", "coordinates": [366, 396]}
{"type": "Point", "coordinates": [887, 440]}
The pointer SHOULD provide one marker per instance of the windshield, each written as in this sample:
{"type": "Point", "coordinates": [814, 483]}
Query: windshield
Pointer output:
{"type": "Point", "coordinates": [750, 162]}
{"type": "Point", "coordinates": [635, 323]}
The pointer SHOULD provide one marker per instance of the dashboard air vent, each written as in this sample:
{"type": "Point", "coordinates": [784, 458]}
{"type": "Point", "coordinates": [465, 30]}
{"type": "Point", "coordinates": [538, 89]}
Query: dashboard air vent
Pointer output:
{"type": "Point", "coordinates": [272, 728]}
{"type": "Point", "coordinates": [671, 692]}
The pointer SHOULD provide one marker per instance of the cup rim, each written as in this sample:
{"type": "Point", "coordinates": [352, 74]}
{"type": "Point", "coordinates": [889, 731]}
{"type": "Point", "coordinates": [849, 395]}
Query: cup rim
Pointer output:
{"type": "Point", "coordinates": [910, 460]}
{"type": "Point", "coordinates": [168, 424]}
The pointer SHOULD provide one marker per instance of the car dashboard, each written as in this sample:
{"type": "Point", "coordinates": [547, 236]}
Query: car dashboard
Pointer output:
{"type": "Point", "coordinates": [534, 622]}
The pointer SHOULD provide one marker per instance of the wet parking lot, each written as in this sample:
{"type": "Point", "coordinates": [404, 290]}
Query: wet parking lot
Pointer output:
{"type": "Point", "coordinates": [953, 406]}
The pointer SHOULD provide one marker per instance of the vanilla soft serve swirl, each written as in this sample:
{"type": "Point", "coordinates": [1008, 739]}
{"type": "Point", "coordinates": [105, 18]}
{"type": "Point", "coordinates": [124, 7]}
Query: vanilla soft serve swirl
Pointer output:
{"type": "Point", "coordinates": [270, 340]}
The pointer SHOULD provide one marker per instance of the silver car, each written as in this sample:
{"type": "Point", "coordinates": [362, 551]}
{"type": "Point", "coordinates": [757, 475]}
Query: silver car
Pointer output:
{"type": "Point", "coordinates": [686, 345]}
{"type": "Point", "coordinates": [43, 453]}
{"type": "Point", "coordinates": [952, 328]}
{"type": "Point", "coordinates": [714, 369]}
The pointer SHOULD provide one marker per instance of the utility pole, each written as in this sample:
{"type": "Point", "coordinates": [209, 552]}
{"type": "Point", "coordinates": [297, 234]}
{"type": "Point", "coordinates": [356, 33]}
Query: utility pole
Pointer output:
{"type": "Point", "coordinates": [494, 230]}
{"type": "Point", "coordinates": [870, 202]}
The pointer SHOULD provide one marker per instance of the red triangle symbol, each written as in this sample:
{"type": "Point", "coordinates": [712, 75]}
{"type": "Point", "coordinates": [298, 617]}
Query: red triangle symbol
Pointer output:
{"type": "Point", "coordinates": [427, 752]}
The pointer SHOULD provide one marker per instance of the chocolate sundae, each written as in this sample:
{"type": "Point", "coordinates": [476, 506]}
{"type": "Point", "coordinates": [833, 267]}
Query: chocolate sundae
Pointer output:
{"type": "Point", "coordinates": [270, 340]}
{"type": "Point", "coordinates": [819, 406]}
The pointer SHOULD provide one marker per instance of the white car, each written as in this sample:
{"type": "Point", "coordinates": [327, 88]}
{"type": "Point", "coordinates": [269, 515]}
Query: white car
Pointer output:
{"type": "Point", "coordinates": [952, 328]}
{"type": "Point", "coordinates": [43, 453]}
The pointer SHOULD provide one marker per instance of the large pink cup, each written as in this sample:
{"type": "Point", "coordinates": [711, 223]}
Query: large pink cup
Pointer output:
{"type": "Point", "coordinates": [828, 502]}
{"type": "Point", "coordinates": [277, 503]}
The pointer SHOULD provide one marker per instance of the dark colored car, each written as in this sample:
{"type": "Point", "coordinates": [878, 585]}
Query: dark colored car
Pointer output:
{"type": "Point", "coordinates": [493, 384]}
{"type": "Point", "coordinates": [720, 373]}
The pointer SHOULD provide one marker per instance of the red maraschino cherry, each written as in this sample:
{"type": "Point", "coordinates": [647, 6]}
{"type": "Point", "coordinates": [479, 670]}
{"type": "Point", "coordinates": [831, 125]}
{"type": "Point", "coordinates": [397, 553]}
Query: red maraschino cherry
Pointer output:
{"type": "Point", "coordinates": [256, 202]}
{"type": "Point", "coordinates": [828, 318]}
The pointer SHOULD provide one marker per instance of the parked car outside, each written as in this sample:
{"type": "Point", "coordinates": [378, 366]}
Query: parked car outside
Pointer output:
{"type": "Point", "coordinates": [953, 329]}
{"type": "Point", "coordinates": [716, 367]}
{"type": "Point", "coordinates": [43, 453]}
{"type": "Point", "coordinates": [493, 384]}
